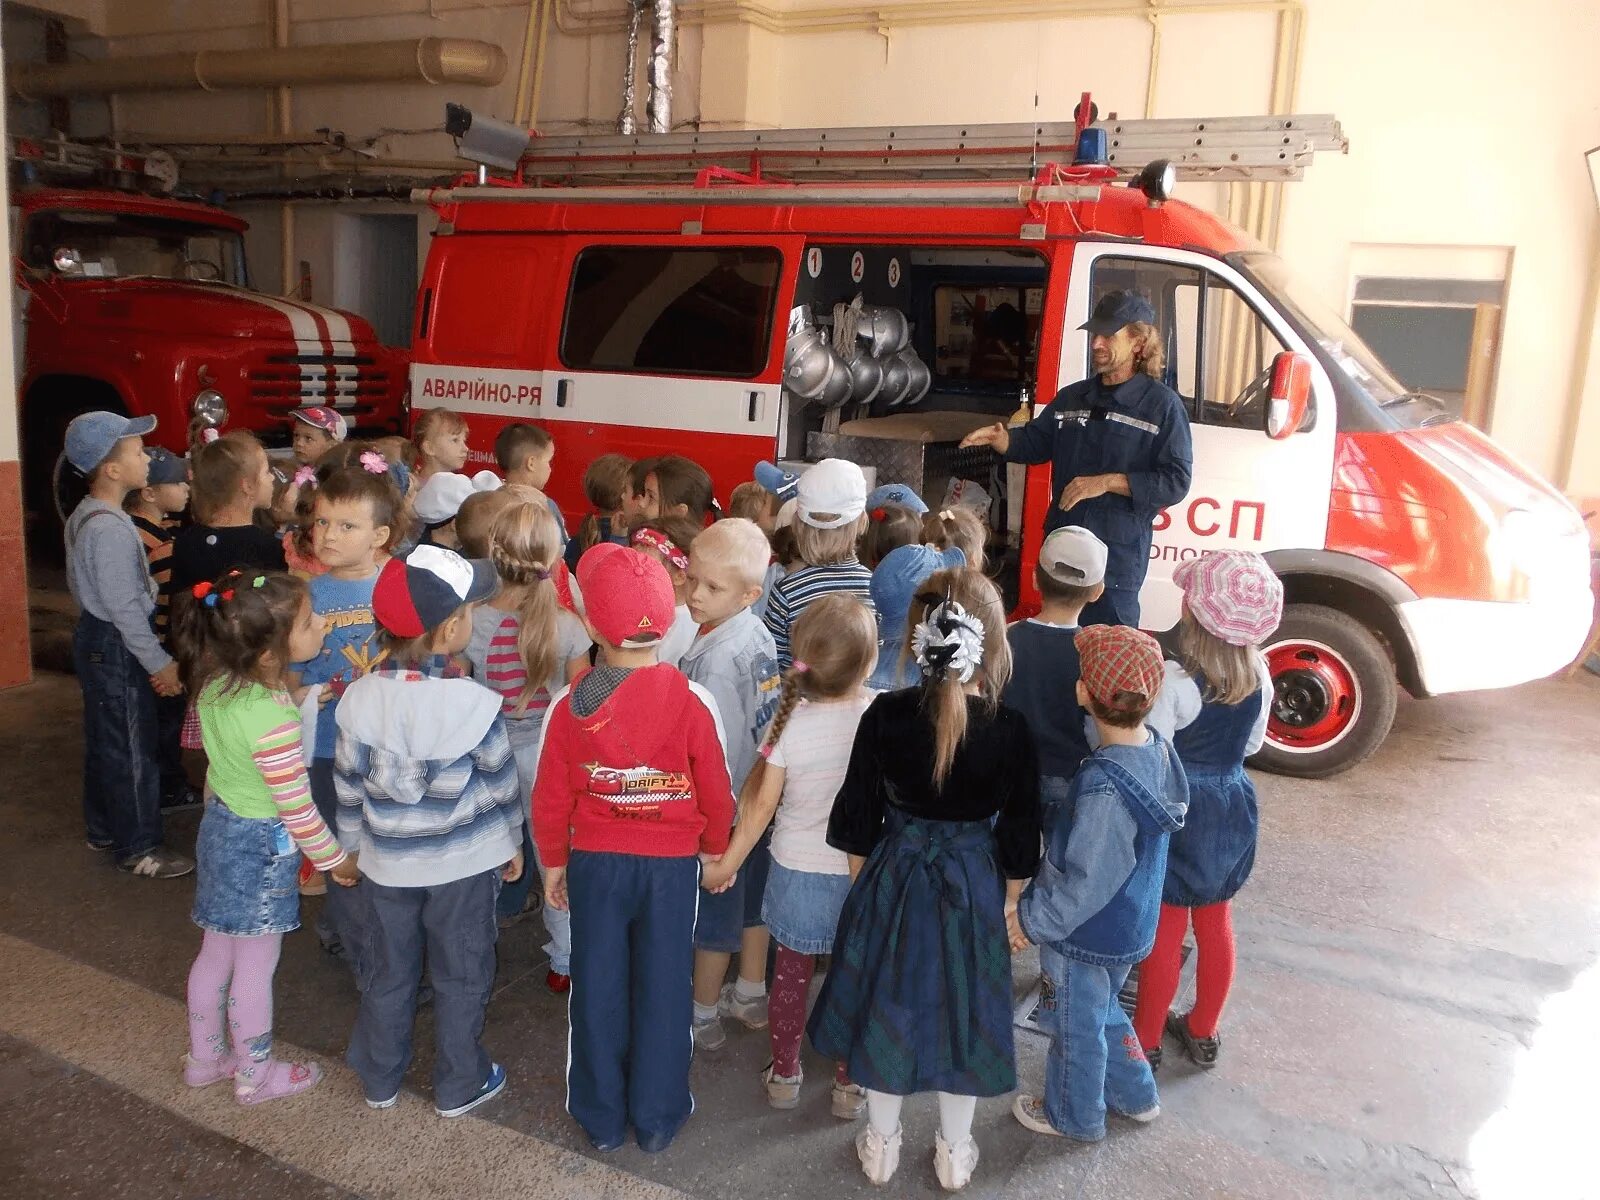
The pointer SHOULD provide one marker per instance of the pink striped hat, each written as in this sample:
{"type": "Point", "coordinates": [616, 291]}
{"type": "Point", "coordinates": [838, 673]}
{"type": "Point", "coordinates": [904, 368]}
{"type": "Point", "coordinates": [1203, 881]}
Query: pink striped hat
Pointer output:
{"type": "Point", "coordinates": [1233, 594]}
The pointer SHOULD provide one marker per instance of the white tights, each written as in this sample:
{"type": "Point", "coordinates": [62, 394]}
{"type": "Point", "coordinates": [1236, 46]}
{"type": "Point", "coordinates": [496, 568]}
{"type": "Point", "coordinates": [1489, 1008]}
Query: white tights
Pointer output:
{"type": "Point", "coordinates": [955, 1114]}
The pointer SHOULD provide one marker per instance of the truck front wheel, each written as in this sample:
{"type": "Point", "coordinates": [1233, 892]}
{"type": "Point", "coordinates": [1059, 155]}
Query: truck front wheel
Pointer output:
{"type": "Point", "coordinates": [1334, 693]}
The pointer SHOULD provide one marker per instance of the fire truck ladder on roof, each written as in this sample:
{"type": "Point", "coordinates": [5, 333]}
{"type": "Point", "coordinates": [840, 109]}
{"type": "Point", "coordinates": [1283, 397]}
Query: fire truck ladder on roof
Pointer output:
{"type": "Point", "coordinates": [1225, 149]}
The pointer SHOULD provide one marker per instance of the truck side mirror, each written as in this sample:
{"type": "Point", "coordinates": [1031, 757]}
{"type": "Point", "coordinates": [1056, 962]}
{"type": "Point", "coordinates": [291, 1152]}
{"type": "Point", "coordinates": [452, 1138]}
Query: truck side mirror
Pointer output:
{"type": "Point", "coordinates": [1290, 394]}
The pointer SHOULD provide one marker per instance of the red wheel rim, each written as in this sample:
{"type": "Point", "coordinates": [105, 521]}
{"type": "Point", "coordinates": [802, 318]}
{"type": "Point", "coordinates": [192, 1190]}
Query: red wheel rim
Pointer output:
{"type": "Point", "coordinates": [1316, 697]}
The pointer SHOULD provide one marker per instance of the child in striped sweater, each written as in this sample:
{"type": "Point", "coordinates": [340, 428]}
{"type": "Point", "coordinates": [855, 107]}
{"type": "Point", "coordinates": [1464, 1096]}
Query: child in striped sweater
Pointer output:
{"type": "Point", "coordinates": [830, 517]}
{"type": "Point", "coordinates": [526, 647]}
{"type": "Point", "coordinates": [235, 638]}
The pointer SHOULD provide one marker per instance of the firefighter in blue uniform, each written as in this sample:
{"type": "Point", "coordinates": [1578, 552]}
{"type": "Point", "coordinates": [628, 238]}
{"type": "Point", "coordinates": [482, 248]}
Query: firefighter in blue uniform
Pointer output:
{"type": "Point", "coordinates": [1119, 448]}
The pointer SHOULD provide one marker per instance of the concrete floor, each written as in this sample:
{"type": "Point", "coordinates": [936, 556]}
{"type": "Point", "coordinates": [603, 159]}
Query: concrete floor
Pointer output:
{"type": "Point", "coordinates": [1417, 986]}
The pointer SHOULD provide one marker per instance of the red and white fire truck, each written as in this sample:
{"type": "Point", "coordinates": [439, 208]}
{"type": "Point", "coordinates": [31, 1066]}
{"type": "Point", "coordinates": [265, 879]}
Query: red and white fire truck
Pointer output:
{"type": "Point", "coordinates": [142, 304]}
{"type": "Point", "coordinates": [640, 295]}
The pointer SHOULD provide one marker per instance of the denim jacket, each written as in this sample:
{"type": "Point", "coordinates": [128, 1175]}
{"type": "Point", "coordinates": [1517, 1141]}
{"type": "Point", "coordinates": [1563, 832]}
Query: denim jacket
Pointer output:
{"type": "Point", "coordinates": [1139, 429]}
{"type": "Point", "coordinates": [1098, 892]}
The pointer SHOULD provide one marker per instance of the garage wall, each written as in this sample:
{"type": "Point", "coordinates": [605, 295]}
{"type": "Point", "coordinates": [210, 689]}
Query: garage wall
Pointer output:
{"type": "Point", "coordinates": [1467, 126]}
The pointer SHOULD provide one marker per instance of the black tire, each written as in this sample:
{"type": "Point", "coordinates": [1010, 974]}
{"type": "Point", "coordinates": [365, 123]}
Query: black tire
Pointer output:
{"type": "Point", "coordinates": [1334, 694]}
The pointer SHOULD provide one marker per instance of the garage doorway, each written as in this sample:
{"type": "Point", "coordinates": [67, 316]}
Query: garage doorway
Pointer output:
{"type": "Point", "coordinates": [376, 275]}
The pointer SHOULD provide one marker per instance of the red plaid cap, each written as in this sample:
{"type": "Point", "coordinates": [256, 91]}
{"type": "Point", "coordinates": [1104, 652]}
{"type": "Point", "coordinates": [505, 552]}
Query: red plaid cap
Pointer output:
{"type": "Point", "coordinates": [1115, 658]}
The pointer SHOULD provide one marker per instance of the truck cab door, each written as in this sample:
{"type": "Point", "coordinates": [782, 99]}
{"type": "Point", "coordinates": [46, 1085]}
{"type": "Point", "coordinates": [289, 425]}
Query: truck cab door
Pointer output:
{"type": "Point", "coordinates": [674, 345]}
{"type": "Point", "coordinates": [1249, 492]}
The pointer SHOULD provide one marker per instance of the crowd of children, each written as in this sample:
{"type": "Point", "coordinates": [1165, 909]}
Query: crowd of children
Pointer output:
{"type": "Point", "coordinates": [800, 729]}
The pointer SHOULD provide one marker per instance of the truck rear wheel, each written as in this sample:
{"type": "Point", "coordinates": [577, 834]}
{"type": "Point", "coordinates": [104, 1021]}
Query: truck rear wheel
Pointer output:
{"type": "Point", "coordinates": [1334, 693]}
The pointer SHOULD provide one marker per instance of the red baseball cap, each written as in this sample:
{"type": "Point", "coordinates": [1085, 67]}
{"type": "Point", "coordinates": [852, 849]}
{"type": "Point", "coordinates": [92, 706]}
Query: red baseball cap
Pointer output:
{"type": "Point", "coordinates": [627, 595]}
{"type": "Point", "coordinates": [1116, 663]}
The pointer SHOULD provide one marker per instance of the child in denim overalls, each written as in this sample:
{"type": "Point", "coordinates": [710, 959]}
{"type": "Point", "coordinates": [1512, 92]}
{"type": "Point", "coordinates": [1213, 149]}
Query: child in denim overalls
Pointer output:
{"type": "Point", "coordinates": [1214, 706]}
{"type": "Point", "coordinates": [1092, 909]}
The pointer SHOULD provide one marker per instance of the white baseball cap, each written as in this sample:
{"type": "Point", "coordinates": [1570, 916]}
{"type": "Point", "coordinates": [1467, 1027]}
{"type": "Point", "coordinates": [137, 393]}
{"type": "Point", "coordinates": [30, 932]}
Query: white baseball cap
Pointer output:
{"type": "Point", "coordinates": [834, 488]}
{"type": "Point", "coordinates": [1072, 555]}
{"type": "Point", "coordinates": [441, 497]}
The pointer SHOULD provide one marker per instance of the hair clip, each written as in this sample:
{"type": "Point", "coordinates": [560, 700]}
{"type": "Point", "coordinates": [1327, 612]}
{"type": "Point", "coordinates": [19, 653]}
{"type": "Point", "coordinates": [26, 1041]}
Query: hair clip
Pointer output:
{"type": "Point", "coordinates": [799, 667]}
{"type": "Point", "coordinates": [205, 593]}
{"type": "Point", "coordinates": [879, 514]}
{"type": "Point", "coordinates": [259, 581]}
{"type": "Point", "coordinates": [227, 595]}
{"type": "Point", "coordinates": [305, 477]}
{"type": "Point", "coordinates": [946, 515]}
{"type": "Point", "coordinates": [374, 463]}
{"type": "Point", "coordinates": [209, 434]}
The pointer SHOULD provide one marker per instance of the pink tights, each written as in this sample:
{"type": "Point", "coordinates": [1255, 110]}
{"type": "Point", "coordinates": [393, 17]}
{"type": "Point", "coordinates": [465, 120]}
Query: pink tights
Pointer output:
{"type": "Point", "coordinates": [786, 1011]}
{"type": "Point", "coordinates": [230, 992]}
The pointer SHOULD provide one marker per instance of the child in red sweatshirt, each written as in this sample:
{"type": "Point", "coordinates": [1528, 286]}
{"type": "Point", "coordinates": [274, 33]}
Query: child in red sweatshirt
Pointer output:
{"type": "Point", "coordinates": [632, 787]}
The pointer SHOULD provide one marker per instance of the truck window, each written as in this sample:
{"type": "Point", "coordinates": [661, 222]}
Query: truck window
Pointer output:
{"type": "Point", "coordinates": [662, 310]}
{"type": "Point", "coordinates": [1237, 353]}
{"type": "Point", "coordinates": [122, 245]}
{"type": "Point", "coordinates": [987, 334]}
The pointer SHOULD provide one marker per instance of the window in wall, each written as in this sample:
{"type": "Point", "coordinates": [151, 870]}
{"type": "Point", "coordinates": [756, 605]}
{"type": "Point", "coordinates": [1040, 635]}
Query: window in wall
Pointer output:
{"type": "Point", "coordinates": [668, 311]}
{"type": "Point", "coordinates": [1439, 336]}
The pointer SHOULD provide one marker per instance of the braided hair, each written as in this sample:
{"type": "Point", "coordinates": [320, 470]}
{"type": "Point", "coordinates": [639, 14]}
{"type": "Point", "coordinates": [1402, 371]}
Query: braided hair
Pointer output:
{"type": "Point", "coordinates": [835, 642]}
{"type": "Point", "coordinates": [524, 544]}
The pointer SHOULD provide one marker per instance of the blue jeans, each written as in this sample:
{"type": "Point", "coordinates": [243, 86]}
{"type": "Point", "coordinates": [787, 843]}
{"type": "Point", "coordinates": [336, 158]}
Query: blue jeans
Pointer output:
{"type": "Point", "coordinates": [344, 915]}
{"type": "Point", "coordinates": [454, 923]}
{"type": "Point", "coordinates": [121, 774]}
{"type": "Point", "coordinates": [1095, 1061]}
{"type": "Point", "coordinates": [514, 896]}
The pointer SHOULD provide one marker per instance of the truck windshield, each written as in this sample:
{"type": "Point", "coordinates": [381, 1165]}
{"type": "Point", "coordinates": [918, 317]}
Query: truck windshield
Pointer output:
{"type": "Point", "coordinates": [1357, 372]}
{"type": "Point", "coordinates": [107, 245]}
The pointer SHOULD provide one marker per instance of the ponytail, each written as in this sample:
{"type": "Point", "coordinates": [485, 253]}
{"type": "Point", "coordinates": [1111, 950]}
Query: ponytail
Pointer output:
{"type": "Point", "coordinates": [224, 628]}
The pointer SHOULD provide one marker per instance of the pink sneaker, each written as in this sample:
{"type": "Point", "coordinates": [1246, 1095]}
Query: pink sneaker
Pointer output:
{"type": "Point", "coordinates": [199, 1073]}
{"type": "Point", "coordinates": [275, 1081]}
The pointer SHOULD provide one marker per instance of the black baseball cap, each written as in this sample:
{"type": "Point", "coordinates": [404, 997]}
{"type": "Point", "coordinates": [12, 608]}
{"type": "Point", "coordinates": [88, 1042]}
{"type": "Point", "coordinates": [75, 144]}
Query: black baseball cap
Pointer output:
{"type": "Point", "coordinates": [1117, 309]}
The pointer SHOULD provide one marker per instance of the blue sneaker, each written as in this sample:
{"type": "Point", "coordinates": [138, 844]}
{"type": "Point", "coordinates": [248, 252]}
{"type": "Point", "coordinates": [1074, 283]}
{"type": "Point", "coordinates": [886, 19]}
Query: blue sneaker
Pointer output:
{"type": "Point", "coordinates": [492, 1087]}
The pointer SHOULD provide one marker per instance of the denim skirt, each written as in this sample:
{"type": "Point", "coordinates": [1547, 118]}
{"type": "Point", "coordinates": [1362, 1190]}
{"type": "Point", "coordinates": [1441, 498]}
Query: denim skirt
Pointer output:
{"type": "Point", "coordinates": [248, 872]}
{"type": "Point", "coordinates": [801, 908]}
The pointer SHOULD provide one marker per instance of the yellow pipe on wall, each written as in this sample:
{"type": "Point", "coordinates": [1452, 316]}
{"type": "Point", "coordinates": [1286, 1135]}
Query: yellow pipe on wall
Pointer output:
{"type": "Point", "coordinates": [575, 22]}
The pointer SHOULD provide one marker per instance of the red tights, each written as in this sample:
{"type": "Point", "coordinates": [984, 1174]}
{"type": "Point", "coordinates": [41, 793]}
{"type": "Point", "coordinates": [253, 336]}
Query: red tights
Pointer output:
{"type": "Point", "coordinates": [786, 1011]}
{"type": "Point", "coordinates": [1158, 974]}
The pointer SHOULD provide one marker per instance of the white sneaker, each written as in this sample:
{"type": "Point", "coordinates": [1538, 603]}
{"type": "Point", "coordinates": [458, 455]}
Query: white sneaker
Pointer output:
{"type": "Point", "coordinates": [849, 1101]}
{"type": "Point", "coordinates": [954, 1165]}
{"type": "Point", "coordinates": [783, 1091]}
{"type": "Point", "coordinates": [879, 1155]}
{"type": "Point", "coordinates": [709, 1034]}
{"type": "Point", "coordinates": [1144, 1118]}
{"type": "Point", "coordinates": [752, 1014]}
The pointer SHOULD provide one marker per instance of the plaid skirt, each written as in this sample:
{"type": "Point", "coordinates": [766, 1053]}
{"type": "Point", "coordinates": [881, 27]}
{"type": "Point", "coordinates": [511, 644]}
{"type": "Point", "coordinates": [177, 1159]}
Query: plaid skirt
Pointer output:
{"type": "Point", "coordinates": [918, 998]}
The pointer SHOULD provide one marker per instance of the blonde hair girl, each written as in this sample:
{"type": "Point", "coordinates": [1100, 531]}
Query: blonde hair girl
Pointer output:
{"type": "Point", "coordinates": [1214, 704]}
{"type": "Point", "coordinates": [806, 753]}
{"type": "Point", "coordinates": [526, 647]}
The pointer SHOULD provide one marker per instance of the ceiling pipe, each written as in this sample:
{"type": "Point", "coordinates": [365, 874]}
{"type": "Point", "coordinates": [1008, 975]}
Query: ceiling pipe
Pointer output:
{"type": "Point", "coordinates": [428, 60]}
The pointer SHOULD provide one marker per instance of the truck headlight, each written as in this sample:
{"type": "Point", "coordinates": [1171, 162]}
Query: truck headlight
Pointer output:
{"type": "Point", "coordinates": [210, 407]}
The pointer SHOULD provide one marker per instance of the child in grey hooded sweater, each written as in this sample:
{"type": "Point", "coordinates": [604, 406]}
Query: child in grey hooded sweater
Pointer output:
{"type": "Point", "coordinates": [429, 805]}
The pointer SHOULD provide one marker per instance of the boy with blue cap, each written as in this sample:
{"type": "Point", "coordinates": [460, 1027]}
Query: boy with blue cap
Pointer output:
{"type": "Point", "coordinates": [120, 662]}
{"type": "Point", "coordinates": [895, 581]}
